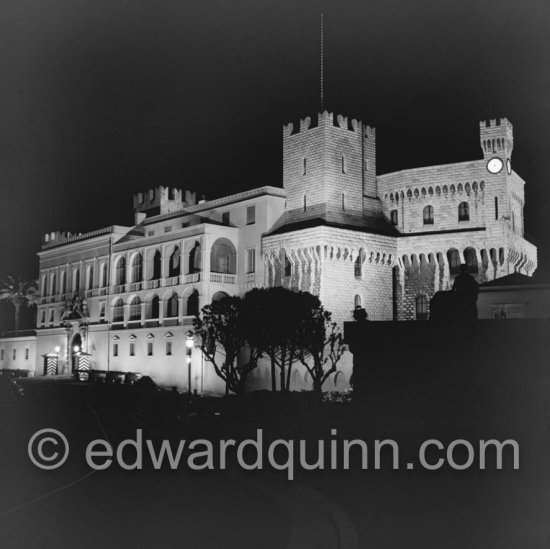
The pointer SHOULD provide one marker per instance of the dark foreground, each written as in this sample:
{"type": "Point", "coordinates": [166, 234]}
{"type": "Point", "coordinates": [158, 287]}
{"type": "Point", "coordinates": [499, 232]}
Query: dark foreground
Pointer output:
{"type": "Point", "coordinates": [233, 508]}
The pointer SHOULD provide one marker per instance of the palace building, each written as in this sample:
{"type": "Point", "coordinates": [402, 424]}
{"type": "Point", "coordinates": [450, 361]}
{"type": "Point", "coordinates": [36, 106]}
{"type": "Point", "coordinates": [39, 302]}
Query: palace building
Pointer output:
{"type": "Point", "coordinates": [122, 299]}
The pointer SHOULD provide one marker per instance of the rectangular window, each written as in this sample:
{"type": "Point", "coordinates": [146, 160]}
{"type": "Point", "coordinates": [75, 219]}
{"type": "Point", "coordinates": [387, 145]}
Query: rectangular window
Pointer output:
{"type": "Point", "coordinates": [168, 348]}
{"type": "Point", "coordinates": [496, 208]}
{"type": "Point", "coordinates": [168, 228]}
{"type": "Point", "coordinates": [132, 348]}
{"type": "Point", "coordinates": [115, 349]}
{"type": "Point", "coordinates": [150, 233]}
{"type": "Point", "coordinates": [226, 218]}
{"type": "Point", "coordinates": [14, 354]}
{"type": "Point", "coordinates": [27, 354]}
{"type": "Point", "coordinates": [43, 317]}
{"type": "Point", "coordinates": [102, 310]}
{"type": "Point", "coordinates": [251, 260]}
{"type": "Point", "coordinates": [2, 354]}
{"type": "Point", "coordinates": [149, 348]}
{"type": "Point", "coordinates": [52, 316]}
{"type": "Point", "coordinates": [394, 216]}
{"type": "Point", "coordinates": [251, 215]}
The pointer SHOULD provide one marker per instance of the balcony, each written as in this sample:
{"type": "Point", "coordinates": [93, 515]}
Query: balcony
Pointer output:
{"type": "Point", "coordinates": [191, 278]}
{"type": "Point", "coordinates": [220, 278]}
{"type": "Point", "coordinates": [134, 286]}
{"type": "Point", "coordinates": [119, 289]}
{"type": "Point", "coordinates": [172, 281]}
{"type": "Point", "coordinates": [151, 284]}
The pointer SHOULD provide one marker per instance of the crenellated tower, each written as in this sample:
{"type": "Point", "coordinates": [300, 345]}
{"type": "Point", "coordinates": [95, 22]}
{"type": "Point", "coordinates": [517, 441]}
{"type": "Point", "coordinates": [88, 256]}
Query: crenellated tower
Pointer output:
{"type": "Point", "coordinates": [330, 167]}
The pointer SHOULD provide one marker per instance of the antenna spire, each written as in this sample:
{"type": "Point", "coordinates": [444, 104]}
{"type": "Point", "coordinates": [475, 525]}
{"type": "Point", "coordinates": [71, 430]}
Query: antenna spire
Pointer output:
{"type": "Point", "coordinates": [322, 64]}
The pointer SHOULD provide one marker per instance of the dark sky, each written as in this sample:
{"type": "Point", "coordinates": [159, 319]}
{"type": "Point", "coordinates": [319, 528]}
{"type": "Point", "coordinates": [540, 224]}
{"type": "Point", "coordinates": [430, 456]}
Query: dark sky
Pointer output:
{"type": "Point", "coordinates": [101, 99]}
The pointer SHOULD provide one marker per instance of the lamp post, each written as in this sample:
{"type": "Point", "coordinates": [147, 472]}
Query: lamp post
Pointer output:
{"type": "Point", "coordinates": [189, 342]}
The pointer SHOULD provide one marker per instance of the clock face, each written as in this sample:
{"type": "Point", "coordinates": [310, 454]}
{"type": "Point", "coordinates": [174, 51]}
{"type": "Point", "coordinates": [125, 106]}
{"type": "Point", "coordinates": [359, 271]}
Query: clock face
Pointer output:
{"type": "Point", "coordinates": [508, 166]}
{"type": "Point", "coordinates": [494, 165]}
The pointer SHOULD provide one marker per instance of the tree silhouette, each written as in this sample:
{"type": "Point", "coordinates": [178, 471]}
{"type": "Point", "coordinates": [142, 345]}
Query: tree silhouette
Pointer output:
{"type": "Point", "coordinates": [18, 292]}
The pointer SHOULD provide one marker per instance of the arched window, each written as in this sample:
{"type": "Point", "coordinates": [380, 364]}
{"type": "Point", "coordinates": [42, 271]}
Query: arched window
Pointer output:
{"type": "Point", "coordinates": [172, 306]}
{"type": "Point", "coordinates": [103, 275]}
{"type": "Point", "coordinates": [193, 304]}
{"type": "Point", "coordinates": [358, 265]}
{"type": "Point", "coordinates": [120, 271]}
{"type": "Point", "coordinates": [137, 268]}
{"type": "Point", "coordinates": [157, 260]}
{"type": "Point", "coordinates": [45, 288]}
{"type": "Point", "coordinates": [195, 259]}
{"type": "Point", "coordinates": [344, 164]}
{"type": "Point", "coordinates": [428, 215]}
{"type": "Point", "coordinates": [223, 257]}
{"type": "Point", "coordinates": [357, 301]}
{"type": "Point", "coordinates": [305, 203]}
{"type": "Point", "coordinates": [118, 311]}
{"type": "Point", "coordinates": [304, 166]}
{"type": "Point", "coordinates": [154, 310]}
{"type": "Point", "coordinates": [470, 257]}
{"type": "Point", "coordinates": [174, 267]}
{"type": "Point", "coordinates": [453, 258]}
{"type": "Point", "coordinates": [288, 267]}
{"type": "Point", "coordinates": [54, 284]}
{"type": "Point", "coordinates": [76, 280]}
{"type": "Point", "coordinates": [90, 277]}
{"type": "Point", "coordinates": [135, 309]}
{"type": "Point", "coordinates": [464, 211]}
{"type": "Point", "coordinates": [63, 283]}
{"type": "Point", "coordinates": [421, 307]}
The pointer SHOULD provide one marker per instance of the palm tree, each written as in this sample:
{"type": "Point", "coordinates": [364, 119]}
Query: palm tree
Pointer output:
{"type": "Point", "coordinates": [18, 292]}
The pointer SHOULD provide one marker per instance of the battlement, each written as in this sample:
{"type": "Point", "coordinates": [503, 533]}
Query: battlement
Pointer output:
{"type": "Point", "coordinates": [496, 136]}
{"type": "Point", "coordinates": [163, 200]}
{"type": "Point", "coordinates": [494, 123]}
{"type": "Point", "coordinates": [325, 119]}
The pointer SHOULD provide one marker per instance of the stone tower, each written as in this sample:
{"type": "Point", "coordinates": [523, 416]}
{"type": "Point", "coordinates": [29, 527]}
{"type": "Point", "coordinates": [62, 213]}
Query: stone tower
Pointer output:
{"type": "Point", "coordinates": [330, 168]}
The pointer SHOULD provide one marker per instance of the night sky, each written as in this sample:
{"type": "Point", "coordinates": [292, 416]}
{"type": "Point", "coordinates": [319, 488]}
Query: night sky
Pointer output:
{"type": "Point", "coordinates": [100, 99]}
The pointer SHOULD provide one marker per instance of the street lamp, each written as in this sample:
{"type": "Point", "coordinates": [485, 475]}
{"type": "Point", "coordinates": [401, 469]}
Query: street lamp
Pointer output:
{"type": "Point", "coordinates": [189, 342]}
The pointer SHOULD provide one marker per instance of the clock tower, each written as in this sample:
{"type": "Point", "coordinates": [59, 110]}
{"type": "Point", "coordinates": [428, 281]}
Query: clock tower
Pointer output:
{"type": "Point", "coordinates": [497, 142]}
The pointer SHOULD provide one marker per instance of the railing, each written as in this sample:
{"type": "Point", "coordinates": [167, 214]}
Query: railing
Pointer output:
{"type": "Point", "coordinates": [172, 281]}
{"type": "Point", "coordinates": [220, 278]}
{"type": "Point", "coordinates": [170, 322]}
{"type": "Point", "coordinates": [152, 284]}
{"type": "Point", "coordinates": [134, 286]}
{"type": "Point", "coordinates": [192, 277]}
{"type": "Point", "coordinates": [89, 293]}
{"type": "Point", "coordinates": [119, 289]}
{"type": "Point", "coordinates": [99, 291]}
{"type": "Point", "coordinates": [152, 323]}
{"type": "Point", "coordinates": [250, 277]}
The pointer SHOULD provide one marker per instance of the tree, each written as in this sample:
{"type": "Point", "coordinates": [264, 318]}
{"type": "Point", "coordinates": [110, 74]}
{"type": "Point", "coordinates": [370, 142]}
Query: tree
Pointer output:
{"type": "Point", "coordinates": [322, 347]}
{"type": "Point", "coordinates": [277, 325]}
{"type": "Point", "coordinates": [18, 292]}
{"type": "Point", "coordinates": [222, 339]}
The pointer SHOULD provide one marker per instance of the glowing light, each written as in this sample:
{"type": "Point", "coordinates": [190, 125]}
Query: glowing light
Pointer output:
{"type": "Point", "coordinates": [189, 343]}
{"type": "Point", "coordinates": [76, 348]}
{"type": "Point", "coordinates": [57, 349]}
{"type": "Point", "coordinates": [188, 359]}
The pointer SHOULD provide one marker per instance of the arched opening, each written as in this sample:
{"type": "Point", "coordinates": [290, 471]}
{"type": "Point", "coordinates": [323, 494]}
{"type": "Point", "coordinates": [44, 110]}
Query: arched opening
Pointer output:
{"type": "Point", "coordinates": [76, 347]}
{"type": "Point", "coordinates": [54, 284]}
{"type": "Point", "coordinates": [357, 301]}
{"type": "Point", "coordinates": [118, 311]}
{"type": "Point", "coordinates": [153, 308]}
{"type": "Point", "coordinates": [428, 215]}
{"type": "Point", "coordinates": [195, 259]}
{"type": "Point", "coordinates": [120, 271]}
{"type": "Point", "coordinates": [223, 257]}
{"type": "Point", "coordinates": [470, 258]}
{"type": "Point", "coordinates": [90, 277]}
{"type": "Point", "coordinates": [453, 258]}
{"type": "Point", "coordinates": [76, 280]}
{"type": "Point", "coordinates": [464, 211]}
{"type": "Point", "coordinates": [172, 306]}
{"type": "Point", "coordinates": [135, 309]}
{"type": "Point", "coordinates": [421, 307]}
{"type": "Point", "coordinates": [63, 283]}
{"type": "Point", "coordinates": [288, 267]}
{"type": "Point", "coordinates": [157, 261]}
{"type": "Point", "coordinates": [103, 275]}
{"type": "Point", "coordinates": [137, 268]}
{"type": "Point", "coordinates": [193, 303]}
{"type": "Point", "coordinates": [358, 265]}
{"type": "Point", "coordinates": [174, 264]}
